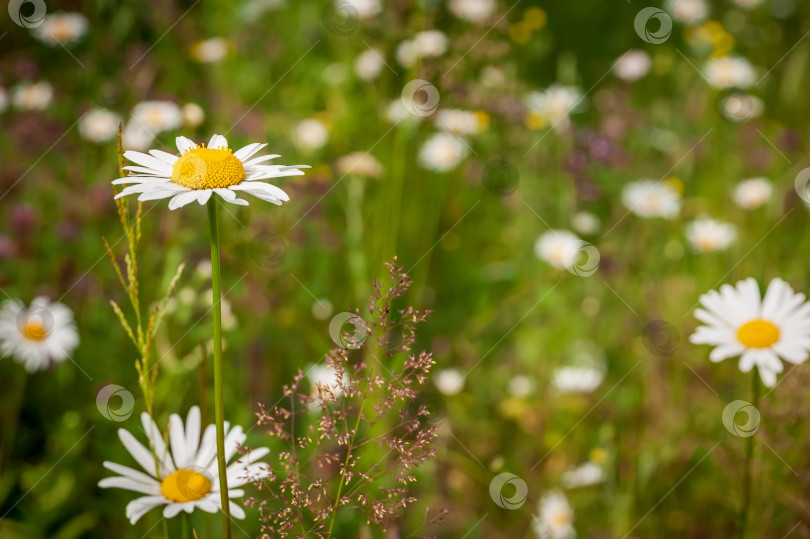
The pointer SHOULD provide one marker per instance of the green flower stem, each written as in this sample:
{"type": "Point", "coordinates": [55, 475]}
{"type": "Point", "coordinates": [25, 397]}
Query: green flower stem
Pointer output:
{"type": "Point", "coordinates": [749, 457]}
{"type": "Point", "coordinates": [219, 407]}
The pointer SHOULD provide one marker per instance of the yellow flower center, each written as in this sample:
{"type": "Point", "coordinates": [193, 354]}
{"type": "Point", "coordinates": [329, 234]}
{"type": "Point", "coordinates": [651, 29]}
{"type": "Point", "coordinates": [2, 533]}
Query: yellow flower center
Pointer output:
{"type": "Point", "coordinates": [185, 486]}
{"type": "Point", "coordinates": [208, 168]}
{"type": "Point", "coordinates": [758, 333]}
{"type": "Point", "coordinates": [35, 331]}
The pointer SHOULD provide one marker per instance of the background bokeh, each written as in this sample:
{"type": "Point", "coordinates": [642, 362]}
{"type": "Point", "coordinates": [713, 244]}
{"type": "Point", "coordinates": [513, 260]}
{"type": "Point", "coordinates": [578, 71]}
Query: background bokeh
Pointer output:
{"type": "Point", "coordinates": [504, 320]}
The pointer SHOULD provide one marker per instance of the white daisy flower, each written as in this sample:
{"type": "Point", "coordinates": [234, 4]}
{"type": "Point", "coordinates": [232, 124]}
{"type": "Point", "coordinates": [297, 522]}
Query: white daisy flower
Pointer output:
{"type": "Point", "coordinates": [61, 28]}
{"type": "Point", "coordinates": [739, 322]}
{"type": "Point", "coordinates": [650, 198]}
{"type": "Point", "coordinates": [183, 476]}
{"type": "Point", "coordinates": [38, 336]}
{"type": "Point", "coordinates": [585, 222]}
{"type": "Point", "coordinates": [369, 64]}
{"type": "Point", "coordinates": [449, 381]}
{"type": "Point", "coordinates": [201, 171]}
{"type": "Point", "coordinates": [555, 104]}
{"type": "Point", "coordinates": [460, 122]}
{"type": "Point", "coordinates": [554, 519]}
{"type": "Point", "coordinates": [193, 115]}
{"type": "Point", "coordinates": [707, 235]}
{"type": "Point", "coordinates": [36, 96]}
{"type": "Point", "coordinates": [584, 379]}
{"type": "Point", "coordinates": [730, 72]}
{"type": "Point", "coordinates": [360, 164]}
{"type": "Point", "coordinates": [310, 135]}
{"type": "Point", "coordinates": [442, 152]}
{"type": "Point", "coordinates": [688, 11]}
{"type": "Point", "coordinates": [210, 51]}
{"type": "Point", "coordinates": [99, 125]}
{"type": "Point", "coordinates": [558, 248]}
{"type": "Point", "coordinates": [583, 475]}
{"type": "Point", "coordinates": [752, 193]}
{"type": "Point", "coordinates": [521, 386]}
{"type": "Point", "coordinates": [632, 65]}
{"type": "Point", "coordinates": [427, 44]}
{"type": "Point", "coordinates": [396, 113]}
{"type": "Point", "coordinates": [477, 11]}
{"type": "Point", "coordinates": [157, 116]}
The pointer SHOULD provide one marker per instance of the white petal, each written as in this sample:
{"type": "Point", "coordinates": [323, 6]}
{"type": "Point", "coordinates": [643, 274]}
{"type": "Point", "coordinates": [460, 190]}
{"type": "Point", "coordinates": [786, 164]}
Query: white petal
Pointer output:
{"type": "Point", "coordinates": [164, 156]}
{"type": "Point", "coordinates": [157, 194]}
{"type": "Point", "coordinates": [218, 141]}
{"type": "Point", "coordinates": [768, 377]}
{"type": "Point", "coordinates": [261, 187]}
{"type": "Point", "coordinates": [260, 159]}
{"type": "Point", "coordinates": [182, 199]}
{"type": "Point", "coordinates": [203, 196]}
{"type": "Point", "coordinates": [157, 444]}
{"type": "Point", "coordinates": [128, 484]}
{"type": "Point", "coordinates": [140, 506]}
{"type": "Point", "coordinates": [138, 452]}
{"type": "Point", "coordinates": [246, 152]}
{"type": "Point", "coordinates": [236, 511]}
{"type": "Point", "coordinates": [149, 171]}
{"type": "Point", "coordinates": [148, 161]}
{"type": "Point", "coordinates": [184, 144]}
{"type": "Point", "coordinates": [230, 197]}
{"type": "Point", "coordinates": [132, 473]}
{"type": "Point", "coordinates": [172, 510]}
{"type": "Point", "coordinates": [177, 438]}
{"type": "Point", "coordinates": [192, 433]}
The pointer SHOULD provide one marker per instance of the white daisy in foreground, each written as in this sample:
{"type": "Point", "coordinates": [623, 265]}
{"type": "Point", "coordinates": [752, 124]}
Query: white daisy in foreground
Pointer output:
{"type": "Point", "coordinates": [559, 248]}
{"type": "Point", "coordinates": [554, 519]}
{"type": "Point", "coordinates": [183, 476]}
{"type": "Point", "coordinates": [730, 72]}
{"type": "Point", "coordinates": [650, 198]}
{"type": "Point", "coordinates": [38, 336]}
{"type": "Point", "coordinates": [477, 11]}
{"type": "Point", "coordinates": [739, 322]}
{"type": "Point", "coordinates": [688, 11]}
{"type": "Point", "coordinates": [61, 28]}
{"type": "Point", "coordinates": [99, 125]}
{"type": "Point", "coordinates": [707, 235]}
{"type": "Point", "coordinates": [36, 96]}
{"type": "Point", "coordinates": [449, 381]}
{"type": "Point", "coordinates": [200, 171]}
{"type": "Point", "coordinates": [583, 379]}
{"type": "Point", "coordinates": [752, 193]}
{"type": "Point", "coordinates": [442, 152]}
{"type": "Point", "coordinates": [632, 65]}
{"type": "Point", "coordinates": [583, 475]}
{"type": "Point", "coordinates": [554, 105]}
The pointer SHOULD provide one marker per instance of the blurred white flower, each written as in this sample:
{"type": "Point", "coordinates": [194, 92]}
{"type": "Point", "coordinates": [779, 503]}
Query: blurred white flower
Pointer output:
{"type": "Point", "coordinates": [210, 51]}
{"type": "Point", "coordinates": [761, 330]}
{"type": "Point", "coordinates": [707, 235]}
{"type": "Point", "coordinates": [322, 309]}
{"type": "Point", "coordinates": [157, 116]}
{"type": "Point", "coordinates": [477, 11]}
{"type": "Point", "coordinates": [585, 223]}
{"type": "Point", "coordinates": [38, 336]}
{"type": "Point", "coordinates": [136, 137]}
{"type": "Point", "coordinates": [324, 379]}
{"type": "Point", "coordinates": [558, 248]}
{"type": "Point", "coordinates": [32, 96]}
{"type": "Point", "coordinates": [632, 65]}
{"type": "Point", "coordinates": [365, 9]}
{"type": "Point", "coordinates": [427, 44]}
{"type": "Point", "coordinates": [460, 122]}
{"type": "Point", "coordinates": [555, 104]}
{"type": "Point", "coordinates": [369, 64]}
{"type": "Point", "coordinates": [335, 74]}
{"type": "Point", "coordinates": [521, 386]}
{"type": "Point", "coordinates": [442, 152]}
{"type": "Point", "coordinates": [449, 381]}
{"type": "Point", "coordinates": [688, 11]}
{"type": "Point", "coordinates": [253, 9]}
{"type": "Point", "coordinates": [396, 112]}
{"type": "Point", "coordinates": [61, 28]}
{"type": "Point", "coordinates": [554, 519]}
{"type": "Point", "coordinates": [584, 475]}
{"type": "Point", "coordinates": [748, 4]}
{"type": "Point", "coordinates": [752, 193]}
{"type": "Point", "coordinates": [310, 134]}
{"type": "Point", "coordinates": [359, 164]}
{"type": "Point", "coordinates": [193, 115]}
{"type": "Point", "coordinates": [99, 125]}
{"type": "Point", "coordinates": [3, 100]}
{"type": "Point", "coordinates": [651, 198]}
{"type": "Point", "coordinates": [584, 379]}
{"type": "Point", "coordinates": [730, 72]}
{"type": "Point", "coordinates": [492, 76]}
